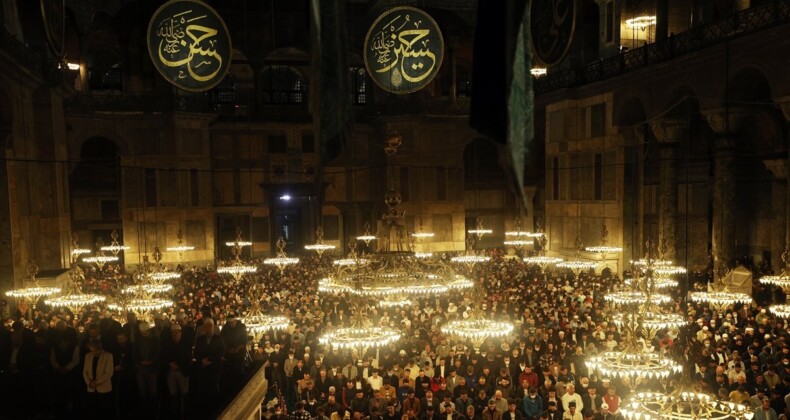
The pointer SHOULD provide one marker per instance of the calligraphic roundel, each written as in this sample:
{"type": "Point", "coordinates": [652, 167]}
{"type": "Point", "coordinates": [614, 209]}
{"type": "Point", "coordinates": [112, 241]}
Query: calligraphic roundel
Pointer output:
{"type": "Point", "coordinates": [403, 50]}
{"type": "Point", "coordinates": [552, 25]}
{"type": "Point", "coordinates": [54, 14]}
{"type": "Point", "coordinates": [189, 44]}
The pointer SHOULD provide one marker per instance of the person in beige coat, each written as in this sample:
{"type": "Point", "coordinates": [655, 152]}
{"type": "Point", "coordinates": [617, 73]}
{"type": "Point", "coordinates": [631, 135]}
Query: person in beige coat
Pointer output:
{"type": "Point", "coordinates": [97, 374]}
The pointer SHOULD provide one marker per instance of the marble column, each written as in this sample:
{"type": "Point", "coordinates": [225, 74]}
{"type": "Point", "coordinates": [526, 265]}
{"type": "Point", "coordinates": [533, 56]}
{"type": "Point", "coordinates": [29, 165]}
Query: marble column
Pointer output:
{"type": "Point", "coordinates": [724, 123]}
{"type": "Point", "coordinates": [669, 133]}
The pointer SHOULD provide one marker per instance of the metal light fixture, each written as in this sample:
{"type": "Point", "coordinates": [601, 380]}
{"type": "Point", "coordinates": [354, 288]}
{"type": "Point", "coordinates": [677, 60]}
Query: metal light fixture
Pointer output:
{"type": "Point", "coordinates": [719, 297]}
{"type": "Point", "coordinates": [640, 22]}
{"type": "Point", "coordinates": [518, 238]}
{"type": "Point", "coordinates": [682, 405]}
{"type": "Point", "coordinates": [100, 259]}
{"type": "Point", "coordinates": [541, 259]}
{"type": "Point", "coordinates": [781, 280]}
{"type": "Point", "coordinates": [114, 247]}
{"type": "Point", "coordinates": [180, 248]}
{"type": "Point", "coordinates": [281, 260]}
{"type": "Point", "coordinates": [366, 236]}
{"type": "Point", "coordinates": [604, 248]}
{"type": "Point", "coordinates": [577, 265]}
{"type": "Point", "coordinates": [319, 246]}
{"type": "Point", "coordinates": [32, 291]}
{"type": "Point", "coordinates": [236, 267]}
{"type": "Point", "coordinates": [470, 257]}
{"type": "Point", "coordinates": [74, 299]}
{"type": "Point", "coordinates": [479, 231]}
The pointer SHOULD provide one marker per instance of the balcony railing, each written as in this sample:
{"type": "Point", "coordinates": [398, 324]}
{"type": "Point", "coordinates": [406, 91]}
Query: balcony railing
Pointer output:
{"type": "Point", "coordinates": [739, 24]}
{"type": "Point", "coordinates": [138, 103]}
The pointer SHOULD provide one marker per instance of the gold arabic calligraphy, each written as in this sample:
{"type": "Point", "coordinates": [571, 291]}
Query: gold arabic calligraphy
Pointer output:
{"type": "Point", "coordinates": [197, 52]}
{"type": "Point", "coordinates": [402, 40]}
{"type": "Point", "coordinates": [552, 25]}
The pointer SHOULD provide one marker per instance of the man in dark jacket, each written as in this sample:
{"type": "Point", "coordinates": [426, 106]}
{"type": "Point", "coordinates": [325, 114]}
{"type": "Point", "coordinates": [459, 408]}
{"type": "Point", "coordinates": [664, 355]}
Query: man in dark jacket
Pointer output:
{"type": "Point", "coordinates": [146, 358]}
{"type": "Point", "coordinates": [208, 355]}
{"type": "Point", "coordinates": [177, 355]}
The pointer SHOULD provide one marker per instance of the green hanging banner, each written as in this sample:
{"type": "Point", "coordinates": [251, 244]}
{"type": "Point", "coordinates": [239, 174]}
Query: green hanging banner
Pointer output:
{"type": "Point", "coordinates": [189, 45]}
{"type": "Point", "coordinates": [403, 50]}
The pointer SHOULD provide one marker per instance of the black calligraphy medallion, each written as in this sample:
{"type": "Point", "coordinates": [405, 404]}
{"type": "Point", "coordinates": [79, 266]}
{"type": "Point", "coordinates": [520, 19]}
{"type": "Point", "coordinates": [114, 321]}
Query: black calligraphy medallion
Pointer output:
{"type": "Point", "coordinates": [552, 24]}
{"type": "Point", "coordinates": [189, 44]}
{"type": "Point", "coordinates": [403, 50]}
{"type": "Point", "coordinates": [54, 14]}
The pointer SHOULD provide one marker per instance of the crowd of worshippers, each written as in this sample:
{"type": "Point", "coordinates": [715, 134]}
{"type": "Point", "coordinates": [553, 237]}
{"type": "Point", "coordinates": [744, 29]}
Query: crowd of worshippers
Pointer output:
{"type": "Point", "coordinates": [101, 364]}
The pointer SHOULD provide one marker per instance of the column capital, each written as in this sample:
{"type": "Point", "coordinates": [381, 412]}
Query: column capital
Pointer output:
{"type": "Point", "coordinates": [725, 121]}
{"type": "Point", "coordinates": [669, 130]}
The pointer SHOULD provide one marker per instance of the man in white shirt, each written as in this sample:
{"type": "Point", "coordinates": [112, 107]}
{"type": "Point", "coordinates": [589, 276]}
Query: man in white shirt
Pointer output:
{"type": "Point", "coordinates": [572, 396]}
{"type": "Point", "coordinates": [375, 380]}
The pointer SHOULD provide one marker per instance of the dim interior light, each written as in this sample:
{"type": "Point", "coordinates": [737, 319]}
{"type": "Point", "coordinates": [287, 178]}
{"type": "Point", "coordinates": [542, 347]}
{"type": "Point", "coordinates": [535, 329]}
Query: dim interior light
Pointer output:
{"type": "Point", "coordinates": [640, 22]}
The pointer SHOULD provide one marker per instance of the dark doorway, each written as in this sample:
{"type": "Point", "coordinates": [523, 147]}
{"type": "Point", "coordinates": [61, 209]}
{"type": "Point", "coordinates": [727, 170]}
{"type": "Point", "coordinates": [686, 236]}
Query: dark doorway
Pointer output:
{"type": "Point", "coordinates": [288, 225]}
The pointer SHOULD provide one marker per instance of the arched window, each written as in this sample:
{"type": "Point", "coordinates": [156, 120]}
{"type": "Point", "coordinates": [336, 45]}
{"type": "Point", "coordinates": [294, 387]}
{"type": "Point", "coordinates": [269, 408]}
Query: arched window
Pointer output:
{"type": "Point", "coordinates": [282, 85]}
{"type": "Point", "coordinates": [359, 85]}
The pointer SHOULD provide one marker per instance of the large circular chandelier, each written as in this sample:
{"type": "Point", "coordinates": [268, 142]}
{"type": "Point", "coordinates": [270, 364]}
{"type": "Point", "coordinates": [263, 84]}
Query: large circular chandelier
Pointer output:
{"type": "Point", "coordinates": [682, 405]}
{"type": "Point", "coordinates": [395, 273]}
{"type": "Point", "coordinates": [100, 259]}
{"type": "Point", "coordinates": [720, 300]}
{"type": "Point", "coordinates": [781, 280]}
{"type": "Point", "coordinates": [470, 257]}
{"type": "Point", "coordinates": [540, 259]}
{"type": "Point", "coordinates": [74, 299]}
{"type": "Point", "coordinates": [421, 233]}
{"type": "Point", "coordinates": [236, 267]}
{"type": "Point", "coordinates": [477, 329]}
{"type": "Point", "coordinates": [577, 265]}
{"type": "Point", "coordinates": [319, 246]}
{"type": "Point", "coordinates": [355, 338]}
{"type": "Point", "coordinates": [604, 247]}
{"type": "Point", "coordinates": [114, 247]}
{"type": "Point", "coordinates": [633, 365]}
{"type": "Point", "coordinates": [367, 237]}
{"type": "Point", "coordinates": [180, 247]}
{"type": "Point", "coordinates": [259, 323]}
{"type": "Point", "coordinates": [649, 322]}
{"type": "Point", "coordinates": [150, 288]}
{"type": "Point", "coordinates": [631, 297]}
{"type": "Point", "coordinates": [141, 305]}
{"type": "Point", "coordinates": [658, 282]}
{"type": "Point", "coordinates": [142, 299]}
{"type": "Point", "coordinates": [33, 291]}
{"type": "Point", "coordinates": [640, 316]}
{"type": "Point", "coordinates": [479, 231]}
{"type": "Point", "coordinates": [281, 260]}
{"type": "Point", "coordinates": [518, 238]}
